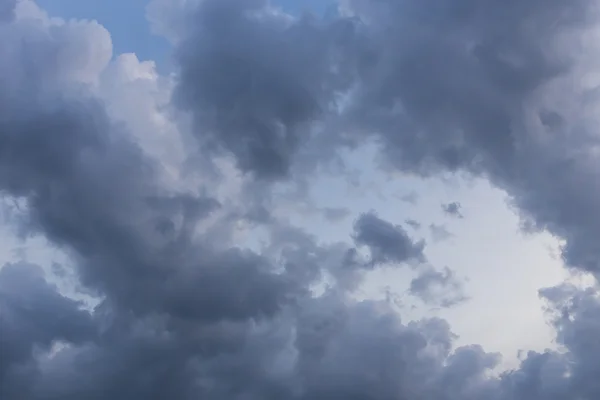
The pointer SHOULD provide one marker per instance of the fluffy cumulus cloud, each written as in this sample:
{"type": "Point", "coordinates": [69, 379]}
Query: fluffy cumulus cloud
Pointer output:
{"type": "Point", "coordinates": [165, 193]}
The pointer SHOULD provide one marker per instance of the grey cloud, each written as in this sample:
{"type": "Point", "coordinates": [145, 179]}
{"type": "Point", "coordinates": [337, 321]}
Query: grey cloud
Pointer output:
{"type": "Point", "coordinates": [564, 375]}
{"type": "Point", "coordinates": [335, 214]}
{"type": "Point", "coordinates": [178, 318]}
{"type": "Point", "coordinates": [190, 317]}
{"type": "Point", "coordinates": [386, 242]}
{"type": "Point", "coordinates": [33, 317]}
{"type": "Point", "coordinates": [453, 209]}
{"type": "Point", "coordinates": [306, 261]}
{"type": "Point", "coordinates": [444, 87]}
{"type": "Point", "coordinates": [478, 83]}
{"type": "Point", "coordinates": [413, 224]}
{"type": "Point", "coordinates": [452, 86]}
{"type": "Point", "coordinates": [440, 232]}
{"type": "Point", "coordinates": [410, 198]}
{"type": "Point", "coordinates": [367, 333]}
{"type": "Point", "coordinates": [370, 353]}
{"type": "Point", "coordinates": [441, 288]}
{"type": "Point", "coordinates": [457, 89]}
{"type": "Point", "coordinates": [254, 81]}
{"type": "Point", "coordinates": [90, 190]}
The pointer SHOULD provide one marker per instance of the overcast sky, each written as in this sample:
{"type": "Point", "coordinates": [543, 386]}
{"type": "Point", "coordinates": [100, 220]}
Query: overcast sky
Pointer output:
{"type": "Point", "coordinates": [244, 199]}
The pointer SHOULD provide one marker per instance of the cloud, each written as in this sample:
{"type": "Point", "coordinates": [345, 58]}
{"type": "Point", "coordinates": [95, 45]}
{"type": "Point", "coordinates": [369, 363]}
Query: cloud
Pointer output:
{"type": "Point", "coordinates": [435, 287]}
{"type": "Point", "coordinates": [413, 224]}
{"type": "Point", "coordinates": [453, 209]}
{"type": "Point", "coordinates": [185, 310]}
{"type": "Point", "coordinates": [480, 87]}
{"type": "Point", "coordinates": [483, 99]}
{"type": "Point", "coordinates": [335, 214]}
{"type": "Point", "coordinates": [410, 198]}
{"type": "Point", "coordinates": [34, 317]}
{"type": "Point", "coordinates": [91, 189]}
{"type": "Point", "coordinates": [440, 232]}
{"type": "Point", "coordinates": [386, 242]}
{"type": "Point", "coordinates": [244, 77]}
{"type": "Point", "coordinates": [480, 100]}
{"type": "Point", "coordinates": [489, 120]}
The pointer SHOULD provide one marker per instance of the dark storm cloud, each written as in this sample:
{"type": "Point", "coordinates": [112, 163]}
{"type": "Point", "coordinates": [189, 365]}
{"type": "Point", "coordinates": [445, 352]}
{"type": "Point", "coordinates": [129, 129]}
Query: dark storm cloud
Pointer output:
{"type": "Point", "coordinates": [255, 80]}
{"type": "Point", "coordinates": [92, 196]}
{"type": "Point", "coordinates": [452, 71]}
{"type": "Point", "coordinates": [453, 209]}
{"type": "Point", "coordinates": [387, 243]}
{"type": "Point", "coordinates": [364, 351]}
{"type": "Point", "coordinates": [454, 86]}
{"type": "Point", "coordinates": [90, 190]}
{"type": "Point", "coordinates": [444, 86]}
{"type": "Point", "coordinates": [178, 317]}
{"type": "Point", "coordinates": [33, 317]}
{"type": "Point", "coordinates": [185, 315]}
{"type": "Point", "coordinates": [477, 86]}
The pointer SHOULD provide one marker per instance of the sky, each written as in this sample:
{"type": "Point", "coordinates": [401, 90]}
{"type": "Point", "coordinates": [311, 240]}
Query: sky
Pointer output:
{"type": "Point", "coordinates": [244, 199]}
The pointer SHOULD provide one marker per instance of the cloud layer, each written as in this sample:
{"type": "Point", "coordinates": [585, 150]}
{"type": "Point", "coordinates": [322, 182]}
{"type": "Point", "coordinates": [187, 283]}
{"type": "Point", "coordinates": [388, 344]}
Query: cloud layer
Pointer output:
{"type": "Point", "coordinates": [181, 309]}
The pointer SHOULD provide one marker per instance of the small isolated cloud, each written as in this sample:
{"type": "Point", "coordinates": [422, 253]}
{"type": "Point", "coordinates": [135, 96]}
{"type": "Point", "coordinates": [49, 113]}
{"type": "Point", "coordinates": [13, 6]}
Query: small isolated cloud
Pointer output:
{"type": "Point", "coordinates": [410, 198]}
{"type": "Point", "coordinates": [439, 288]}
{"type": "Point", "coordinates": [453, 209]}
{"type": "Point", "coordinates": [335, 214]}
{"type": "Point", "coordinates": [387, 243]}
{"type": "Point", "coordinates": [416, 225]}
{"type": "Point", "coordinates": [439, 233]}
